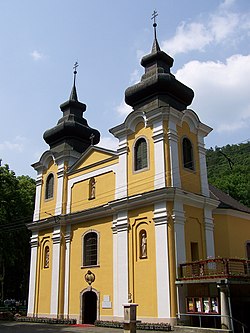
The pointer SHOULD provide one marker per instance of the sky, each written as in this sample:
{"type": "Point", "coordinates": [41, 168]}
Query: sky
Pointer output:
{"type": "Point", "coordinates": [41, 40]}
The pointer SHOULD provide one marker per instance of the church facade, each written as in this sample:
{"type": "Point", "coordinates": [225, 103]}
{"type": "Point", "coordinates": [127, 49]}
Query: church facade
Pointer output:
{"type": "Point", "coordinates": [138, 224]}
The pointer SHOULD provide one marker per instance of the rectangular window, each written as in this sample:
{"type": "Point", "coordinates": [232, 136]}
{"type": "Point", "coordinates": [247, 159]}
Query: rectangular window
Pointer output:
{"type": "Point", "coordinates": [194, 251]}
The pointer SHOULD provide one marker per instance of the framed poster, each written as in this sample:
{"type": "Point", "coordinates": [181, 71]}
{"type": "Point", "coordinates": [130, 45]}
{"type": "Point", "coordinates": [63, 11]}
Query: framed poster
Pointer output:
{"type": "Point", "coordinates": [214, 305]}
{"type": "Point", "coordinates": [206, 305]}
{"type": "Point", "coordinates": [190, 305]}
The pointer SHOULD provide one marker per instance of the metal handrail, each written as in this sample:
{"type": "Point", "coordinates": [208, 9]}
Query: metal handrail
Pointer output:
{"type": "Point", "coordinates": [215, 267]}
{"type": "Point", "coordinates": [243, 326]}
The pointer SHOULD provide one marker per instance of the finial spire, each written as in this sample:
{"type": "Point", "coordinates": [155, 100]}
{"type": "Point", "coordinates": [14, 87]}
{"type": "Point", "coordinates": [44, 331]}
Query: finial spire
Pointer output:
{"type": "Point", "coordinates": [73, 95]}
{"type": "Point", "coordinates": [156, 46]}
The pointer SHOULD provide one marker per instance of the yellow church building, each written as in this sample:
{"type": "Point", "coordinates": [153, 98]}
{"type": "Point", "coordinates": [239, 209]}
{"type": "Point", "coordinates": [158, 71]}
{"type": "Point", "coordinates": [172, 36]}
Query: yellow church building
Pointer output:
{"type": "Point", "coordinates": [138, 224]}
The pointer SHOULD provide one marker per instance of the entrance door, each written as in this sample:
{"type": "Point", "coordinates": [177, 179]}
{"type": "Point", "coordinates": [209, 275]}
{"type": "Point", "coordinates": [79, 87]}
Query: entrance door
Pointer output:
{"type": "Point", "coordinates": [89, 301]}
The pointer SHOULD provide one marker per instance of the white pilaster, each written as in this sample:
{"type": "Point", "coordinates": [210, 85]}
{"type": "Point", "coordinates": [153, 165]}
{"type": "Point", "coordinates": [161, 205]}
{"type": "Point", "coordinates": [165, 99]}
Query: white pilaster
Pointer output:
{"type": "Point", "coordinates": [36, 215]}
{"type": "Point", "coordinates": [56, 238]}
{"type": "Point", "coordinates": [174, 155]}
{"type": "Point", "coordinates": [120, 230]}
{"type": "Point", "coordinates": [179, 231]}
{"type": "Point", "coordinates": [59, 195]}
{"type": "Point", "coordinates": [33, 268]}
{"type": "Point", "coordinates": [203, 166]}
{"type": "Point", "coordinates": [209, 232]}
{"type": "Point", "coordinates": [159, 154]}
{"type": "Point", "coordinates": [122, 174]}
{"type": "Point", "coordinates": [115, 268]}
{"type": "Point", "coordinates": [162, 260]}
{"type": "Point", "coordinates": [67, 270]}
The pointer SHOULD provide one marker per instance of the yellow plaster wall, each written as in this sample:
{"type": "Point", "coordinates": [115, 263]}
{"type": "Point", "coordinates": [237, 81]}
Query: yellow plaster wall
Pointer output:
{"type": "Point", "coordinates": [93, 157]}
{"type": "Point", "coordinates": [43, 283]}
{"type": "Point", "coordinates": [103, 273]}
{"type": "Point", "coordinates": [190, 179]}
{"type": "Point", "coordinates": [140, 181]}
{"type": "Point", "coordinates": [231, 235]}
{"type": "Point", "coordinates": [142, 272]}
{"type": "Point", "coordinates": [93, 166]}
{"type": "Point", "coordinates": [48, 205]}
{"type": "Point", "coordinates": [194, 231]}
{"type": "Point", "coordinates": [104, 192]}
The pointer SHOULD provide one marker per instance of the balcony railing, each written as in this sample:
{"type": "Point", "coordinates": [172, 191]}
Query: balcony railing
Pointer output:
{"type": "Point", "coordinates": [215, 268]}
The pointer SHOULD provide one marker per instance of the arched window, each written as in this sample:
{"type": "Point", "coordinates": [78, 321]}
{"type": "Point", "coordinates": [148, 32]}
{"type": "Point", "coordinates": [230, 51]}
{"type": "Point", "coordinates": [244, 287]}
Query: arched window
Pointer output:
{"type": "Point", "coordinates": [187, 149]}
{"type": "Point", "coordinates": [49, 192]}
{"type": "Point", "coordinates": [143, 244]}
{"type": "Point", "coordinates": [140, 154]}
{"type": "Point", "coordinates": [46, 257]}
{"type": "Point", "coordinates": [90, 249]}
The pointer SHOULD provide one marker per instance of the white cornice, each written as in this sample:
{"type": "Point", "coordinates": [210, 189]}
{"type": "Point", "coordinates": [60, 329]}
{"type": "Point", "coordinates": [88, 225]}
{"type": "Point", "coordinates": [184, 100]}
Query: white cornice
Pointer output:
{"type": "Point", "coordinates": [232, 212]}
{"type": "Point", "coordinates": [128, 203]}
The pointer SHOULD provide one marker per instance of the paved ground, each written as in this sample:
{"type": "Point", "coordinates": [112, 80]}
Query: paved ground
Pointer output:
{"type": "Point", "coordinates": [20, 327]}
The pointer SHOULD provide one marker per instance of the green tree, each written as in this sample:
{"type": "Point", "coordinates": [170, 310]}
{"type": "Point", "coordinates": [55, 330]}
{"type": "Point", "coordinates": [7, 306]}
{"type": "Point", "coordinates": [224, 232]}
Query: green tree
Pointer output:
{"type": "Point", "coordinates": [229, 170]}
{"type": "Point", "coordinates": [16, 209]}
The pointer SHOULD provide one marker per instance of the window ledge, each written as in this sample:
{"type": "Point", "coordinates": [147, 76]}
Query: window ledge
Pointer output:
{"type": "Point", "coordinates": [88, 266]}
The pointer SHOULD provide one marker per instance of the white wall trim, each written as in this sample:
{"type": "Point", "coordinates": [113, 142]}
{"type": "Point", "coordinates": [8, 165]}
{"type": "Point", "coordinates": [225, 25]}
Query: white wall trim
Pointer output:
{"type": "Point", "coordinates": [209, 232]}
{"type": "Point", "coordinates": [203, 166]}
{"type": "Point", "coordinates": [159, 154]}
{"type": "Point", "coordinates": [59, 195]}
{"type": "Point", "coordinates": [120, 236]}
{"type": "Point", "coordinates": [174, 156]}
{"type": "Point", "coordinates": [179, 224]}
{"type": "Point", "coordinates": [91, 174]}
{"type": "Point", "coordinates": [232, 212]}
{"type": "Point", "coordinates": [115, 268]}
{"type": "Point", "coordinates": [33, 269]}
{"type": "Point", "coordinates": [121, 187]}
{"type": "Point", "coordinates": [54, 301]}
{"type": "Point", "coordinates": [36, 215]}
{"type": "Point", "coordinates": [67, 270]}
{"type": "Point", "coordinates": [162, 260]}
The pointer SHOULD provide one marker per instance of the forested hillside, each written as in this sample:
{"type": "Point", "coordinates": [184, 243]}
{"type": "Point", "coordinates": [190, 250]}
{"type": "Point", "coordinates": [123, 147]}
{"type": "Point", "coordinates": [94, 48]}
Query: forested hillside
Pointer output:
{"type": "Point", "coordinates": [16, 209]}
{"type": "Point", "coordinates": [229, 170]}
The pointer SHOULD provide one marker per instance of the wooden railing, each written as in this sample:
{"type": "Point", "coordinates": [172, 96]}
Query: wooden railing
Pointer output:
{"type": "Point", "coordinates": [215, 268]}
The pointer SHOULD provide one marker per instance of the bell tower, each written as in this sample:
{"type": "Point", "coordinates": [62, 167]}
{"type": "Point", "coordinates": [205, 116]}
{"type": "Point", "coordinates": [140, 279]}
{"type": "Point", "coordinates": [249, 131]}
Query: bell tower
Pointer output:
{"type": "Point", "coordinates": [72, 132]}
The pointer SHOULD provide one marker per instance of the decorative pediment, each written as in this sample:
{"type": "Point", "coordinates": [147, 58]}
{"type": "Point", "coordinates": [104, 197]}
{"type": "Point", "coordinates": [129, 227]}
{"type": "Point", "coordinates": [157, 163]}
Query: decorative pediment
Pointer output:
{"type": "Point", "coordinates": [92, 157]}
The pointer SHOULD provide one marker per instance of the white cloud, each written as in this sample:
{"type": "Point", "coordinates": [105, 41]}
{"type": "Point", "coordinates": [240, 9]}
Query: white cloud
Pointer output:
{"type": "Point", "coordinates": [221, 26]}
{"type": "Point", "coordinates": [134, 76]}
{"type": "Point", "coordinates": [184, 39]}
{"type": "Point", "coordinates": [140, 54]}
{"type": "Point", "coordinates": [226, 4]}
{"type": "Point", "coordinates": [36, 55]}
{"type": "Point", "coordinates": [108, 143]}
{"type": "Point", "coordinates": [123, 109]}
{"type": "Point", "coordinates": [16, 145]}
{"type": "Point", "coordinates": [221, 92]}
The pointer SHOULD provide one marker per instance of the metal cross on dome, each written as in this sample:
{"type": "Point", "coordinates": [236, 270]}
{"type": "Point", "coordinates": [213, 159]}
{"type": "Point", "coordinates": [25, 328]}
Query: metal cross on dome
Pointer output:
{"type": "Point", "coordinates": [154, 15]}
{"type": "Point", "coordinates": [75, 71]}
{"type": "Point", "coordinates": [75, 67]}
